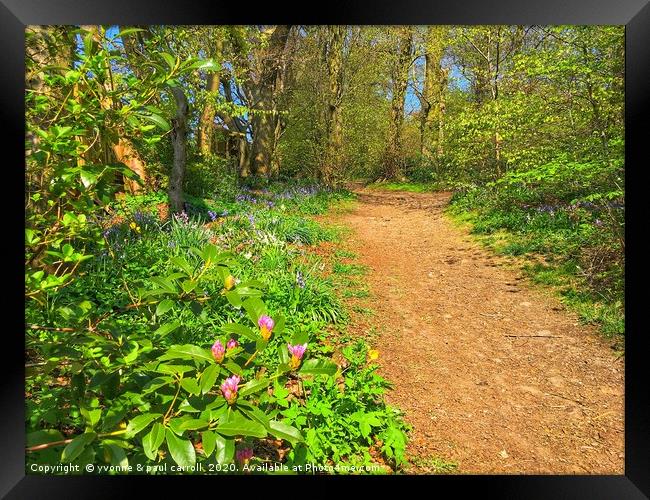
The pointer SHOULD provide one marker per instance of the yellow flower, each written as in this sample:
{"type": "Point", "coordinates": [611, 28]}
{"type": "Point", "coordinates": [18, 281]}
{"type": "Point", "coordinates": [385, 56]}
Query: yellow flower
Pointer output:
{"type": "Point", "coordinates": [137, 228]}
{"type": "Point", "coordinates": [373, 354]}
{"type": "Point", "coordinates": [265, 332]}
{"type": "Point", "coordinates": [229, 282]}
{"type": "Point", "coordinates": [295, 362]}
{"type": "Point", "coordinates": [132, 225]}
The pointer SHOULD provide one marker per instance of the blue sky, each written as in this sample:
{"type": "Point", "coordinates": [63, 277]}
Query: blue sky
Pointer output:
{"type": "Point", "coordinates": [412, 103]}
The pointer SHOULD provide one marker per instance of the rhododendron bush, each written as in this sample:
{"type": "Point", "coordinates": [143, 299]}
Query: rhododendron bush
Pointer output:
{"type": "Point", "coordinates": [193, 402]}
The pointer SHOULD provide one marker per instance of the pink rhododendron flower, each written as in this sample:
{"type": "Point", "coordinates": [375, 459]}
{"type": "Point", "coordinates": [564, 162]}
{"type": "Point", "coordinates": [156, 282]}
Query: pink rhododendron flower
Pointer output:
{"type": "Point", "coordinates": [232, 343]}
{"type": "Point", "coordinates": [244, 455]}
{"type": "Point", "coordinates": [297, 352]}
{"type": "Point", "coordinates": [229, 388]}
{"type": "Point", "coordinates": [218, 351]}
{"type": "Point", "coordinates": [266, 325]}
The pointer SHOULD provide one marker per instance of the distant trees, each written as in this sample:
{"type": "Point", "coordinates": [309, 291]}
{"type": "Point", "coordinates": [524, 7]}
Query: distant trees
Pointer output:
{"type": "Point", "coordinates": [332, 102]}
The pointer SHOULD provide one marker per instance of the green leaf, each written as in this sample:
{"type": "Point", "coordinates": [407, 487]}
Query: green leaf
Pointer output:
{"type": "Point", "coordinates": [300, 337]}
{"type": "Point", "coordinates": [152, 441]}
{"type": "Point", "coordinates": [241, 330]}
{"type": "Point", "coordinates": [196, 308]}
{"type": "Point", "coordinates": [180, 449]}
{"type": "Point", "coordinates": [115, 455]}
{"type": "Point", "coordinates": [164, 306]}
{"type": "Point", "coordinates": [193, 424]}
{"type": "Point", "coordinates": [225, 450]}
{"type": "Point", "coordinates": [158, 120]}
{"type": "Point", "coordinates": [183, 264]}
{"type": "Point", "coordinates": [283, 354]}
{"type": "Point", "coordinates": [188, 285]}
{"type": "Point", "coordinates": [234, 299]}
{"type": "Point", "coordinates": [174, 369]}
{"type": "Point", "coordinates": [283, 431]}
{"type": "Point", "coordinates": [209, 442]}
{"type": "Point", "coordinates": [254, 413]}
{"type": "Point", "coordinates": [191, 385]}
{"type": "Point", "coordinates": [91, 416]}
{"type": "Point", "coordinates": [43, 436]}
{"type": "Point", "coordinates": [240, 426]}
{"type": "Point", "coordinates": [165, 283]}
{"type": "Point", "coordinates": [141, 422]}
{"type": "Point", "coordinates": [252, 284]}
{"type": "Point", "coordinates": [318, 367]}
{"type": "Point", "coordinates": [167, 328]}
{"type": "Point", "coordinates": [255, 308]}
{"type": "Point", "coordinates": [207, 65]}
{"type": "Point", "coordinates": [128, 31]}
{"type": "Point", "coordinates": [169, 59]}
{"type": "Point", "coordinates": [187, 351]}
{"type": "Point", "coordinates": [209, 377]}
{"type": "Point", "coordinates": [233, 367]}
{"type": "Point", "coordinates": [279, 324]}
{"type": "Point", "coordinates": [254, 386]}
{"type": "Point", "coordinates": [77, 446]}
{"type": "Point", "coordinates": [88, 178]}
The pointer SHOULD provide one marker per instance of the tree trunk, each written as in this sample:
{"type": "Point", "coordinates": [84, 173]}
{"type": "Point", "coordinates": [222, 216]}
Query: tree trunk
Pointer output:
{"type": "Point", "coordinates": [334, 141]}
{"type": "Point", "coordinates": [393, 156]}
{"type": "Point", "coordinates": [206, 122]}
{"type": "Point", "coordinates": [244, 158]}
{"type": "Point", "coordinates": [271, 79]}
{"type": "Point", "coordinates": [441, 113]}
{"type": "Point", "coordinates": [263, 132]}
{"type": "Point", "coordinates": [179, 142]}
{"type": "Point", "coordinates": [126, 153]}
{"type": "Point", "coordinates": [433, 92]}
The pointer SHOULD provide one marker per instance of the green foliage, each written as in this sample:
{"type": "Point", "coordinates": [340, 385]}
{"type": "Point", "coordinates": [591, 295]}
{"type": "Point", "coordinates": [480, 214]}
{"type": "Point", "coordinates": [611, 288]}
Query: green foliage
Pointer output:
{"type": "Point", "coordinates": [206, 176]}
{"type": "Point", "coordinates": [579, 236]}
{"type": "Point", "coordinates": [129, 343]}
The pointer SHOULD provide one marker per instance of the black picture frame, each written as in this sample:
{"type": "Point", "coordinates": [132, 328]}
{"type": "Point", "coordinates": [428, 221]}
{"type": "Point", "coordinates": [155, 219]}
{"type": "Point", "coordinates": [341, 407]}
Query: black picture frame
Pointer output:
{"type": "Point", "coordinates": [634, 14]}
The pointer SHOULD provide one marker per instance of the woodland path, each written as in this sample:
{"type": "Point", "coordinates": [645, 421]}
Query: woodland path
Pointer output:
{"type": "Point", "coordinates": [491, 373]}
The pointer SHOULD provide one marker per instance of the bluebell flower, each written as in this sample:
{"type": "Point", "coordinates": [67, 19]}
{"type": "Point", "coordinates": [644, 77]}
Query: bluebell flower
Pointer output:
{"type": "Point", "coordinates": [300, 280]}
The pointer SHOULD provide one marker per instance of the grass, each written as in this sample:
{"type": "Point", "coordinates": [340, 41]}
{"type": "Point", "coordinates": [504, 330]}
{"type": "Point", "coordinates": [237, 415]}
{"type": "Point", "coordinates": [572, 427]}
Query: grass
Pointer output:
{"type": "Point", "coordinates": [413, 187]}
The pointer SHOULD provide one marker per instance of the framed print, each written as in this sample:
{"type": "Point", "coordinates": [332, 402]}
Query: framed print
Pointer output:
{"type": "Point", "coordinates": [381, 241]}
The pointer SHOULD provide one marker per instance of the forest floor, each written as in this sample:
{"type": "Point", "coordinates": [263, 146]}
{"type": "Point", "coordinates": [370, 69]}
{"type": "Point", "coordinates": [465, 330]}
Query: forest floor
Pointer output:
{"type": "Point", "coordinates": [492, 374]}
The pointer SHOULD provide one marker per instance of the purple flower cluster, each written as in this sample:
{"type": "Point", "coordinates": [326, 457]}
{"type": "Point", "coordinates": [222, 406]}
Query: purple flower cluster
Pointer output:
{"type": "Point", "coordinates": [182, 217]}
{"type": "Point", "coordinates": [246, 197]}
{"type": "Point", "coordinates": [551, 209]}
{"type": "Point", "coordinates": [299, 192]}
{"type": "Point", "coordinates": [300, 279]}
{"type": "Point", "coordinates": [212, 215]}
{"type": "Point", "coordinates": [144, 220]}
{"type": "Point", "coordinates": [111, 232]}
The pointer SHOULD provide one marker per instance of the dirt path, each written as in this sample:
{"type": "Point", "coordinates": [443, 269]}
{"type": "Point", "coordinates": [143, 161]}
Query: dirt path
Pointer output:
{"type": "Point", "coordinates": [490, 373]}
